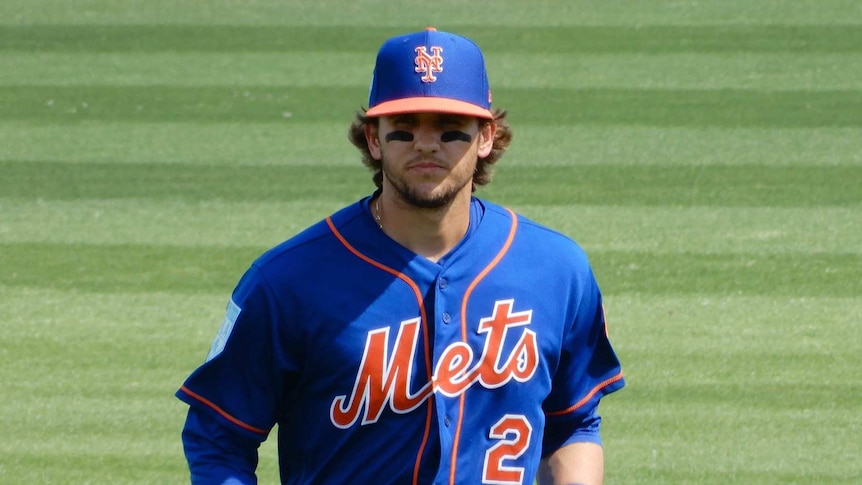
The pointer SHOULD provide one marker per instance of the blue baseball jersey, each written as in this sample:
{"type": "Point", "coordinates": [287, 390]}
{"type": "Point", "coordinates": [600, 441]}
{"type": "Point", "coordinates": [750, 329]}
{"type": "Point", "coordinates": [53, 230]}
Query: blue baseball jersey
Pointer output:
{"type": "Point", "coordinates": [381, 366]}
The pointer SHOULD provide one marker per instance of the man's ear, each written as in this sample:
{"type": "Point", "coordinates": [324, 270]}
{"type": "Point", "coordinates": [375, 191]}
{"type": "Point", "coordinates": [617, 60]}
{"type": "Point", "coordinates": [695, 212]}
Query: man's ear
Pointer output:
{"type": "Point", "coordinates": [486, 138]}
{"type": "Point", "coordinates": [373, 140]}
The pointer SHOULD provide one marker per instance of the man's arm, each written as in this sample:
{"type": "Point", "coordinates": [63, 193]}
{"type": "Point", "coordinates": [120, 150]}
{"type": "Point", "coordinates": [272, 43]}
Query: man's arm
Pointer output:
{"type": "Point", "coordinates": [580, 463]}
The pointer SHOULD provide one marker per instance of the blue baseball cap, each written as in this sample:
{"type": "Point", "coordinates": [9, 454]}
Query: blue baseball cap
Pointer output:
{"type": "Point", "coordinates": [430, 71]}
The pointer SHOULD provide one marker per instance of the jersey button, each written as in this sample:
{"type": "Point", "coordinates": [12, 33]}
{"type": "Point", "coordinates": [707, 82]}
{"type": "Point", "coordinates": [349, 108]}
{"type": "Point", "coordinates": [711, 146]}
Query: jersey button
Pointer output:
{"type": "Point", "coordinates": [447, 421]}
{"type": "Point", "coordinates": [443, 283]}
{"type": "Point", "coordinates": [446, 317]}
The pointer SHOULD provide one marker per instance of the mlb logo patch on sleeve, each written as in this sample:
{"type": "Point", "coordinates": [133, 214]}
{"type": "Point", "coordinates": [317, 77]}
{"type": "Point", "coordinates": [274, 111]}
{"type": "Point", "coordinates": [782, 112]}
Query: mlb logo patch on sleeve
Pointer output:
{"type": "Point", "coordinates": [232, 313]}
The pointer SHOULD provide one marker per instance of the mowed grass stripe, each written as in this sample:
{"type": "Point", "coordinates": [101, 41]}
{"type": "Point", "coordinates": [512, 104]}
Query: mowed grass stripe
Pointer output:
{"type": "Point", "coordinates": [758, 71]}
{"type": "Point", "coordinates": [703, 229]}
{"type": "Point", "coordinates": [321, 144]}
{"type": "Point", "coordinates": [214, 223]}
{"type": "Point", "coordinates": [686, 107]}
{"type": "Point", "coordinates": [722, 185]}
{"type": "Point", "coordinates": [446, 13]}
{"type": "Point", "coordinates": [786, 328]}
{"type": "Point", "coordinates": [59, 181]}
{"type": "Point", "coordinates": [548, 146]}
{"type": "Point", "coordinates": [124, 268]}
{"type": "Point", "coordinates": [136, 268]}
{"type": "Point", "coordinates": [615, 185]}
{"type": "Point", "coordinates": [165, 222]}
{"type": "Point", "coordinates": [565, 39]}
{"type": "Point", "coordinates": [653, 107]}
{"type": "Point", "coordinates": [325, 144]}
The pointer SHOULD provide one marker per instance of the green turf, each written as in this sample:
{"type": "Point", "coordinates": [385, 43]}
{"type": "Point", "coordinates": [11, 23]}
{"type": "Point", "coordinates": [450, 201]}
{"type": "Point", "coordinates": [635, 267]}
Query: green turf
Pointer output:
{"type": "Point", "coordinates": [608, 39]}
{"type": "Point", "coordinates": [543, 146]}
{"type": "Point", "coordinates": [737, 390]}
{"type": "Point", "coordinates": [707, 155]}
{"type": "Point", "coordinates": [644, 106]}
{"type": "Point", "coordinates": [136, 268]}
{"type": "Point", "coordinates": [586, 184]}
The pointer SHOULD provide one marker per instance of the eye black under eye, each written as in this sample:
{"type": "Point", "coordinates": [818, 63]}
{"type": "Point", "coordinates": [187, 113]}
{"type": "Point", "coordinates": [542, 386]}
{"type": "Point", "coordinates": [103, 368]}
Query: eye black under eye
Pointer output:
{"type": "Point", "coordinates": [445, 137]}
{"type": "Point", "coordinates": [455, 135]}
{"type": "Point", "coordinates": [399, 135]}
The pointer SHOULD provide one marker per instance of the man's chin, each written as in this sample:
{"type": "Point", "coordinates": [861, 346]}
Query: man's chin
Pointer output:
{"type": "Point", "coordinates": [427, 200]}
{"type": "Point", "coordinates": [427, 194]}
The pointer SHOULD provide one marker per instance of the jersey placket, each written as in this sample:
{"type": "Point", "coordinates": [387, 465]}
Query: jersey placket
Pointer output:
{"type": "Point", "coordinates": [447, 329]}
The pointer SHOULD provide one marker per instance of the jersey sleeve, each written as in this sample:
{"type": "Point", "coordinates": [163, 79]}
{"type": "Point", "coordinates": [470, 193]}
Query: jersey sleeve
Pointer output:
{"type": "Point", "coordinates": [217, 453]}
{"type": "Point", "coordinates": [588, 370]}
{"type": "Point", "coordinates": [241, 381]}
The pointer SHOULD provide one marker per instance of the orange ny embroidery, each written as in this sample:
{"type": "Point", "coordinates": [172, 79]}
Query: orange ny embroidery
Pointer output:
{"type": "Point", "coordinates": [429, 64]}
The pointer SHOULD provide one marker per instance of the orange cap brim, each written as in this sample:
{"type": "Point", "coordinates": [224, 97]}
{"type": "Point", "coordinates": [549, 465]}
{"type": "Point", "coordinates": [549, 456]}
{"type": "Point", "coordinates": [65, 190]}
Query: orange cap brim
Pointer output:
{"type": "Point", "coordinates": [429, 105]}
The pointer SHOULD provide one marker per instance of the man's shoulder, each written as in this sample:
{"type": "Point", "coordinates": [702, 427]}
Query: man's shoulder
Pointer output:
{"type": "Point", "coordinates": [315, 241]}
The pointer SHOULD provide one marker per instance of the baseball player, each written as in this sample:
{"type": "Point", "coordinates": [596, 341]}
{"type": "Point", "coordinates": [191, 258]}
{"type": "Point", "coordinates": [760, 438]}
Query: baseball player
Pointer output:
{"type": "Point", "coordinates": [420, 335]}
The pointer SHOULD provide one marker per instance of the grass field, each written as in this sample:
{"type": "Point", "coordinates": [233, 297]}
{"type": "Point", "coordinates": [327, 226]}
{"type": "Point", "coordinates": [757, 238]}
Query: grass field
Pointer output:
{"type": "Point", "coordinates": [707, 154]}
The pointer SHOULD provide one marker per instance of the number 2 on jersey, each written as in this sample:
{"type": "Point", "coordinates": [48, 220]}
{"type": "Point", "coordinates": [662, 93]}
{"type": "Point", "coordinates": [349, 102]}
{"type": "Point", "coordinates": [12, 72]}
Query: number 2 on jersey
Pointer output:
{"type": "Point", "coordinates": [514, 432]}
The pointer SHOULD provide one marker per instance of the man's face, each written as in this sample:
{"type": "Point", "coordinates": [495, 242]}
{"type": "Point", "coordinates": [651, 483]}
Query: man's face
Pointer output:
{"type": "Point", "coordinates": [429, 158]}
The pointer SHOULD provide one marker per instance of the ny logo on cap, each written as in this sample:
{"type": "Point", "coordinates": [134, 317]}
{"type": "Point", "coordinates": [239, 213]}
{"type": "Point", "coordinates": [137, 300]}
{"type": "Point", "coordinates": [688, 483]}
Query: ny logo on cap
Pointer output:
{"type": "Point", "coordinates": [429, 64]}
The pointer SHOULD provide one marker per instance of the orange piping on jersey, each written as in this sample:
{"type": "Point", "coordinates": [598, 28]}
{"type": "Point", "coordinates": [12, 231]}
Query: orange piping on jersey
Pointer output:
{"type": "Point", "coordinates": [424, 443]}
{"type": "Point", "coordinates": [485, 272]}
{"type": "Point", "coordinates": [418, 294]}
{"type": "Point", "coordinates": [512, 230]}
{"type": "Point", "coordinates": [222, 412]}
{"type": "Point", "coordinates": [589, 396]}
{"type": "Point", "coordinates": [397, 274]}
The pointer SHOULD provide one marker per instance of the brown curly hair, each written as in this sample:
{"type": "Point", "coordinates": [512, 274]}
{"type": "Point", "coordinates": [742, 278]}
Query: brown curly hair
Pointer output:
{"type": "Point", "coordinates": [481, 176]}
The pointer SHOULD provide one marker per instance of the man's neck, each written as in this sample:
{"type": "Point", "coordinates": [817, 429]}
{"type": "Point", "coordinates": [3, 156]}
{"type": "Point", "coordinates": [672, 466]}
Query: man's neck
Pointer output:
{"type": "Point", "coordinates": [430, 233]}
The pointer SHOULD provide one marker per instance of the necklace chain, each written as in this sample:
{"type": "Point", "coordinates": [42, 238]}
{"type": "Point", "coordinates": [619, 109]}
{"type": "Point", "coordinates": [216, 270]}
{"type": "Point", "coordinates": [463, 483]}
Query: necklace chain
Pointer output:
{"type": "Point", "coordinates": [377, 217]}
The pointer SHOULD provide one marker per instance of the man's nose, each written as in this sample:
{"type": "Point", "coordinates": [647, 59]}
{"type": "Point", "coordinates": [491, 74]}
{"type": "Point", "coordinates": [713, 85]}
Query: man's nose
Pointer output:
{"type": "Point", "coordinates": [427, 137]}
